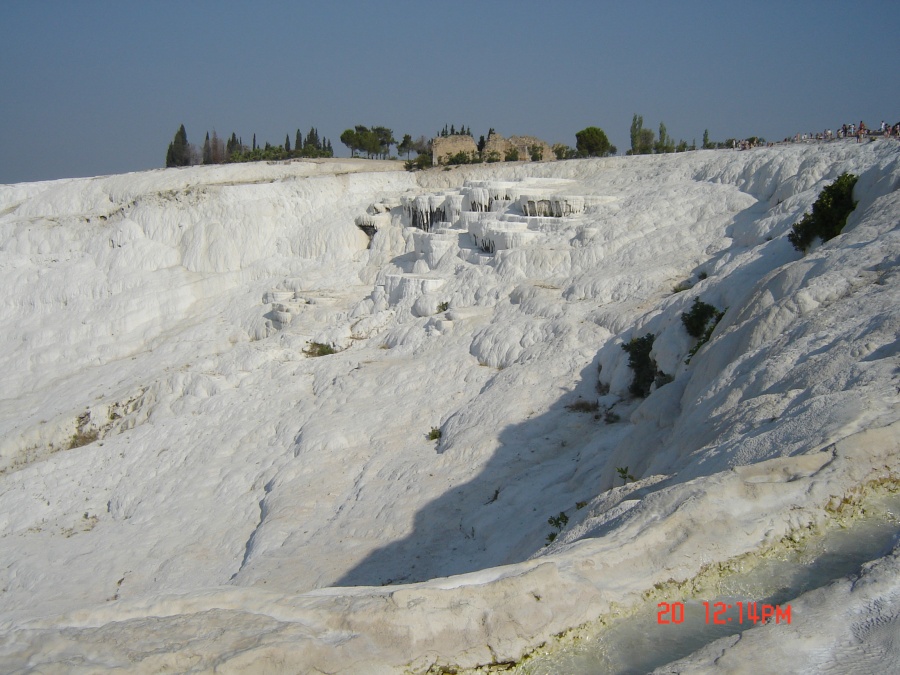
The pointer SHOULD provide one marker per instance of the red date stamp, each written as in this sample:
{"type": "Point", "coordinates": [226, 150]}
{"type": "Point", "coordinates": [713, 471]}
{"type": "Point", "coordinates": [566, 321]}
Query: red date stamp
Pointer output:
{"type": "Point", "coordinates": [724, 613]}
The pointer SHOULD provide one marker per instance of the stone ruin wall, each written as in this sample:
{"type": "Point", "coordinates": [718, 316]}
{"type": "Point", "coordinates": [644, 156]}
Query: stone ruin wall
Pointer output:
{"type": "Point", "coordinates": [496, 143]}
{"type": "Point", "coordinates": [443, 147]}
{"type": "Point", "coordinates": [526, 143]}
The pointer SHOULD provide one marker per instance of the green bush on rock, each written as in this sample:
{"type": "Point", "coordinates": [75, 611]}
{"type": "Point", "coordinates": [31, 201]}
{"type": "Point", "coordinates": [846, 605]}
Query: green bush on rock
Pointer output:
{"type": "Point", "coordinates": [829, 214]}
{"type": "Point", "coordinates": [700, 321]}
{"type": "Point", "coordinates": [319, 349]}
{"type": "Point", "coordinates": [640, 361]}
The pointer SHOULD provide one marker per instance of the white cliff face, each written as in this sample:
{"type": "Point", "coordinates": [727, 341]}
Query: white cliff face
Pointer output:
{"type": "Point", "coordinates": [176, 467]}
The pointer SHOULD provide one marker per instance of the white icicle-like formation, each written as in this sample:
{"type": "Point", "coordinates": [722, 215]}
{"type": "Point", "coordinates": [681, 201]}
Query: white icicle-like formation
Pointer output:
{"type": "Point", "coordinates": [555, 206]}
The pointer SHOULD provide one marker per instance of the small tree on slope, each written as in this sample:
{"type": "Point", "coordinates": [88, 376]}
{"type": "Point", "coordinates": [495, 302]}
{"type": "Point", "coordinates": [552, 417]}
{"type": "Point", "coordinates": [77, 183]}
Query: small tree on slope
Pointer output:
{"type": "Point", "coordinates": [829, 214]}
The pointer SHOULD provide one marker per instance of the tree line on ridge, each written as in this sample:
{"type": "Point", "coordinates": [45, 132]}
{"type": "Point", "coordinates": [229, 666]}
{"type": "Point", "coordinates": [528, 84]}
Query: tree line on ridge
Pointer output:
{"type": "Point", "coordinates": [376, 142]}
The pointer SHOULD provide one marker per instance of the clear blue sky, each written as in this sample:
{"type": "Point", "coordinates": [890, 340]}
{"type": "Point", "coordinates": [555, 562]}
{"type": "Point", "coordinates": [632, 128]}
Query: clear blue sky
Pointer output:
{"type": "Point", "coordinates": [96, 87]}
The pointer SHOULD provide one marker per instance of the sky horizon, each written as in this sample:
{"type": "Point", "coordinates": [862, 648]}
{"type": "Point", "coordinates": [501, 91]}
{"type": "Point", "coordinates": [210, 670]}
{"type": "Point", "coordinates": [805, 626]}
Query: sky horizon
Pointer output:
{"type": "Point", "coordinates": [100, 87]}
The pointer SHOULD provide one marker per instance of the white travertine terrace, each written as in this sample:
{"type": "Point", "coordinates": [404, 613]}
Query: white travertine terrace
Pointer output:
{"type": "Point", "coordinates": [183, 489]}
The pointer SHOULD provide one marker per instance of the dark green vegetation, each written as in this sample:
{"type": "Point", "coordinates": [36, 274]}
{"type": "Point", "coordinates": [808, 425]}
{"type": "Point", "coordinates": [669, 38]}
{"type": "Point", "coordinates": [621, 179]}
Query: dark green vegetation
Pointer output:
{"type": "Point", "coordinates": [592, 142]}
{"type": "Point", "coordinates": [423, 161]}
{"type": "Point", "coordinates": [697, 320]}
{"type": "Point", "coordinates": [829, 214]}
{"type": "Point", "coordinates": [179, 152]}
{"type": "Point", "coordinates": [563, 151]}
{"type": "Point", "coordinates": [700, 321]}
{"type": "Point", "coordinates": [559, 522]}
{"type": "Point", "coordinates": [319, 349]}
{"type": "Point", "coordinates": [624, 475]}
{"type": "Point", "coordinates": [217, 151]}
{"type": "Point", "coordinates": [463, 131]}
{"type": "Point", "coordinates": [640, 361]}
{"type": "Point", "coordinates": [643, 141]}
{"type": "Point", "coordinates": [375, 142]}
{"type": "Point", "coordinates": [462, 157]}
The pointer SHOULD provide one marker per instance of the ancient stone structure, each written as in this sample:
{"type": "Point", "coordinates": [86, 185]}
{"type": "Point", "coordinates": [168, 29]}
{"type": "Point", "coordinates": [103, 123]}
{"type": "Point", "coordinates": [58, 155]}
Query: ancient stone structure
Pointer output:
{"type": "Point", "coordinates": [443, 147]}
{"type": "Point", "coordinates": [496, 148]}
{"type": "Point", "coordinates": [499, 147]}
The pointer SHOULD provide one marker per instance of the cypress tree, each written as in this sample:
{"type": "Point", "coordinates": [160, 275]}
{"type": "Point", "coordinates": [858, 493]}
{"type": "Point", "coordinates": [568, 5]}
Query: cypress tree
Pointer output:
{"type": "Point", "coordinates": [312, 140]}
{"type": "Point", "coordinates": [179, 152]}
{"type": "Point", "coordinates": [207, 151]}
{"type": "Point", "coordinates": [181, 144]}
{"type": "Point", "coordinates": [287, 142]}
{"type": "Point", "coordinates": [637, 123]}
{"type": "Point", "coordinates": [216, 149]}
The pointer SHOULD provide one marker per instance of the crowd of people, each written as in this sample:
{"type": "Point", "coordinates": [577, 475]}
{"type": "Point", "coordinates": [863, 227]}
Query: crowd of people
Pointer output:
{"type": "Point", "coordinates": [858, 131]}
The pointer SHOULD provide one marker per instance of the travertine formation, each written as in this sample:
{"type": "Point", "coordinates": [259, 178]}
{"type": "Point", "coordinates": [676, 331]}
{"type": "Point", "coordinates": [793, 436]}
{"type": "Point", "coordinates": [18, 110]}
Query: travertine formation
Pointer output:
{"type": "Point", "coordinates": [495, 215]}
{"type": "Point", "coordinates": [184, 488]}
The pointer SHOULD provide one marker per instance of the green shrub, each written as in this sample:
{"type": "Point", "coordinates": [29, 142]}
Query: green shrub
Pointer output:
{"type": "Point", "coordinates": [319, 349]}
{"type": "Point", "coordinates": [443, 307]}
{"type": "Point", "coordinates": [829, 214]}
{"type": "Point", "coordinates": [434, 434]}
{"type": "Point", "coordinates": [700, 321]}
{"type": "Point", "coordinates": [537, 153]}
{"type": "Point", "coordinates": [512, 155]}
{"type": "Point", "coordinates": [696, 320]}
{"type": "Point", "coordinates": [461, 157]}
{"type": "Point", "coordinates": [563, 151]}
{"type": "Point", "coordinates": [559, 522]}
{"type": "Point", "coordinates": [422, 161]}
{"type": "Point", "coordinates": [492, 156]}
{"type": "Point", "coordinates": [642, 364]}
{"type": "Point", "coordinates": [624, 475]}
